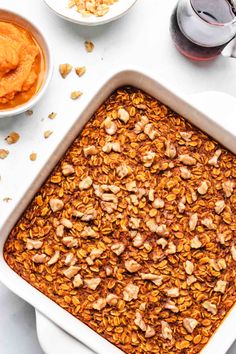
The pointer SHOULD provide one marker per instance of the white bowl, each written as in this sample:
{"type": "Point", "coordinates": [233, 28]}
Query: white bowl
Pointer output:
{"type": "Point", "coordinates": [117, 10]}
{"type": "Point", "coordinates": [6, 15]}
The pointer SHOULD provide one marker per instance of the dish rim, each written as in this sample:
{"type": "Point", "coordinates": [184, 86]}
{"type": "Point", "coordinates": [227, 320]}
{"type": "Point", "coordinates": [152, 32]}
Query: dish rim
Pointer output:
{"type": "Point", "coordinates": [179, 103]}
{"type": "Point", "coordinates": [77, 18]}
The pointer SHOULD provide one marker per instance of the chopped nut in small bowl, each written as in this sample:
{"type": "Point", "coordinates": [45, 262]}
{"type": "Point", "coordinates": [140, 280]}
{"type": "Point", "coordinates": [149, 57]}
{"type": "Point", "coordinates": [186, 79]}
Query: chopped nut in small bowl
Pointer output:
{"type": "Point", "coordinates": [90, 13]}
{"type": "Point", "coordinates": [26, 64]}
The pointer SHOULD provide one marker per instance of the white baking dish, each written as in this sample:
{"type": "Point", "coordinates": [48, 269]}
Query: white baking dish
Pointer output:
{"type": "Point", "coordinates": [224, 131]}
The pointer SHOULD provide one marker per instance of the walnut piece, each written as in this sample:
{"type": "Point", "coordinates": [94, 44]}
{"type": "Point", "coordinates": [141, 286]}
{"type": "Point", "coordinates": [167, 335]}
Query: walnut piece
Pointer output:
{"type": "Point", "coordinates": [156, 279]}
{"type": "Point", "coordinates": [86, 183]}
{"type": "Point", "coordinates": [110, 126]}
{"type": "Point", "coordinates": [190, 324]}
{"type": "Point", "coordinates": [203, 188]}
{"type": "Point", "coordinates": [191, 279]}
{"type": "Point", "coordinates": [134, 223]}
{"type": "Point", "coordinates": [139, 126]}
{"type": "Point", "coordinates": [3, 153]}
{"type": "Point", "coordinates": [66, 223]}
{"type": "Point", "coordinates": [77, 281]}
{"type": "Point", "coordinates": [60, 230]}
{"type": "Point", "coordinates": [170, 305]}
{"type": "Point", "coordinates": [220, 286]}
{"type": "Point", "coordinates": [123, 115]}
{"type": "Point", "coordinates": [89, 46]}
{"type": "Point", "coordinates": [39, 258]}
{"type": "Point", "coordinates": [186, 135]}
{"type": "Point", "coordinates": [118, 248]}
{"type": "Point", "coordinates": [149, 158]}
{"type": "Point", "coordinates": [233, 252]}
{"type": "Point", "coordinates": [123, 170]}
{"type": "Point", "coordinates": [70, 242]}
{"type": "Point", "coordinates": [33, 244]}
{"type": "Point", "coordinates": [80, 70]}
{"type": "Point", "coordinates": [208, 223]}
{"type": "Point", "coordinates": [138, 240]}
{"type": "Point", "coordinates": [189, 267]}
{"type": "Point", "coordinates": [219, 206]}
{"type": "Point", "coordinates": [150, 332]}
{"type": "Point", "coordinates": [99, 304]}
{"type": "Point", "coordinates": [108, 147]}
{"type": "Point", "coordinates": [71, 271]}
{"type": "Point", "coordinates": [185, 173]}
{"type": "Point", "coordinates": [54, 259]}
{"type": "Point", "coordinates": [193, 221]}
{"type": "Point", "coordinates": [228, 188]}
{"type": "Point", "coordinates": [166, 330]}
{"type": "Point", "coordinates": [112, 299]}
{"type": "Point", "coordinates": [56, 204]}
{"type": "Point", "coordinates": [132, 266]}
{"type": "Point", "coordinates": [172, 292]}
{"type": "Point", "coordinates": [187, 160]}
{"type": "Point", "coordinates": [92, 283]}
{"type": "Point", "coordinates": [162, 242]}
{"type": "Point", "coordinates": [170, 150]}
{"type": "Point", "coordinates": [70, 259]}
{"type": "Point", "coordinates": [130, 292]}
{"type": "Point", "coordinates": [210, 307]}
{"type": "Point", "coordinates": [90, 150]}
{"type": "Point", "coordinates": [65, 69]}
{"type": "Point", "coordinates": [158, 203]}
{"type": "Point", "coordinates": [150, 131]}
{"type": "Point", "coordinates": [214, 160]}
{"type": "Point", "coordinates": [140, 322]}
{"type": "Point", "coordinates": [68, 170]}
{"type": "Point", "coordinates": [196, 243]}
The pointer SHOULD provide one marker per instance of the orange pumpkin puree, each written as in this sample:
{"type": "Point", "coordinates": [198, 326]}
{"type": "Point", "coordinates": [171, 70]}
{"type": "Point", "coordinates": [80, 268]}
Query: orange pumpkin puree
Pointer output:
{"type": "Point", "coordinates": [22, 65]}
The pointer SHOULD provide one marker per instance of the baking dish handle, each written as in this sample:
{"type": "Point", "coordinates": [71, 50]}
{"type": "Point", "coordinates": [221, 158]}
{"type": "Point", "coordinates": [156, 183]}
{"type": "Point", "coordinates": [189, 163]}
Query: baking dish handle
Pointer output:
{"type": "Point", "coordinates": [219, 106]}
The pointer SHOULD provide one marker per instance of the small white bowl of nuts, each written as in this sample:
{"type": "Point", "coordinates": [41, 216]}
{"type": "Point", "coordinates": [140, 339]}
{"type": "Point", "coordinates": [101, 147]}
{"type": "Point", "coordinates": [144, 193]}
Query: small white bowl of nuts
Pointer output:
{"type": "Point", "coordinates": [90, 13]}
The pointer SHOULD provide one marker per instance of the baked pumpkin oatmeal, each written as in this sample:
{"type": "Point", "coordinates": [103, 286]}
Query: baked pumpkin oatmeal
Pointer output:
{"type": "Point", "coordinates": [133, 233]}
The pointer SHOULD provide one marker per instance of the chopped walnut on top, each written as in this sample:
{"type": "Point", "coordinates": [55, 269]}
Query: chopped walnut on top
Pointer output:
{"type": "Point", "coordinates": [138, 240]}
{"type": "Point", "coordinates": [70, 242]}
{"type": "Point", "coordinates": [189, 267]}
{"type": "Point", "coordinates": [219, 206]}
{"type": "Point", "coordinates": [149, 158]}
{"type": "Point", "coordinates": [186, 135]}
{"type": "Point", "coordinates": [77, 281]}
{"type": "Point", "coordinates": [33, 244]}
{"type": "Point", "coordinates": [108, 147]}
{"type": "Point", "coordinates": [88, 231]}
{"type": "Point", "coordinates": [228, 188]}
{"type": "Point", "coordinates": [112, 299]}
{"type": "Point", "coordinates": [71, 271]}
{"type": "Point", "coordinates": [110, 126]}
{"type": "Point", "coordinates": [139, 126]}
{"type": "Point", "coordinates": [208, 222]}
{"type": "Point", "coordinates": [203, 188]}
{"type": "Point", "coordinates": [185, 173]}
{"type": "Point", "coordinates": [158, 203]}
{"type": "Point", "coordinates": [54, 259]}
{"type": "Point", "coordinates": [132, 266]}
{"type": "Point", "coordinates": [123, 170]}
{"type": "Point", "coordinates": [233, 252]}
{"type": "Point", "coordinates": [99, 304]}
{"type": "Point", "coordinates": [171, 249]}
{"type": "Point", "coordinates": [156, 279]}
{"type": "Point", "coordinates": [150, 332]}
{"type": "Point", "coordinates": [90, 150]}
{"type": "Point", "coordinates": [118, 248]}
{"type": "Point", "coordinates": [66, 223]}
{"type": "Point", "coordinates": [134, 223]}
{"type": "Point", "coordinates": [220, 286]}
{"type": "Point", "coordinates": [39, 258]}
{"type": "Point", "coordinates": [123, 115]}
{"type": "Point", "coordinates": [187, 160]}
{"type": "Point", "coordinates": [92, 283]}
{"type": "Point", "coordinates": [193, 221]}
{"type": "Point", "coordinates": [131, 186]}
{"type": "Point", "coordinates": [214, 159]}
{"type": "Point", "coordinates": [68, 170]}
{"type": "Point", "coordinates": [191, 279]}
{"type": "Point", "coordinates": [195, 243]}
{"type": "Point", "coordinates": [170, 305]}
{"type": "Point", "coordinates": [140, 322]}
{"type": "Point", "coordinates": [181, 205]}
{"type": "Point", "coordinates": [162, 242]}
{"type": "Point", "coordinates": [86, 183]}
{"type": "Point", "coordinates": [172, 292]}
{"type": "Point", "coordinates": [170, 149]}
{"type": "Point", "coordinates": [95, 253]}
{"type": "Point", "coordinates": [130, 292]}
{"type": "Point", "coordinates": [210, 307]}
{"type": "Point", "coordinates": [166, 330]}
{"type": "Point", "coordinates": [190, 324]}
{"type": "Point", "coordinates": [160, 230]}
{"type": "Point", "coordinates": [150, 131]}
{"type": "Point", "coordinates": [56, 204]}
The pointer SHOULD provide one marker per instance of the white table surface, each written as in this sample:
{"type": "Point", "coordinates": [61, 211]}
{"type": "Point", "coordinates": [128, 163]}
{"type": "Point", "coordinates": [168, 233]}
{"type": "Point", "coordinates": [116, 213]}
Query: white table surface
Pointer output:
{"type": "Point", "coordinates": [140, 38]}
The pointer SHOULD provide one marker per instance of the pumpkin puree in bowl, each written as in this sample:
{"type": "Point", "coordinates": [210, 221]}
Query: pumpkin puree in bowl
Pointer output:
{"type": "Point", "coordinates": [22, 65]}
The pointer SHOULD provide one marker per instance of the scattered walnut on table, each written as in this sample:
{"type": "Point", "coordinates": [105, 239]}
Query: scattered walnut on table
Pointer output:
{"type": "Point", "coordinates": [3, 153]}
{"type": "Point", "coordinates": [12, 138]}
{"type": "Point", "coordinates": [65, 69]}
